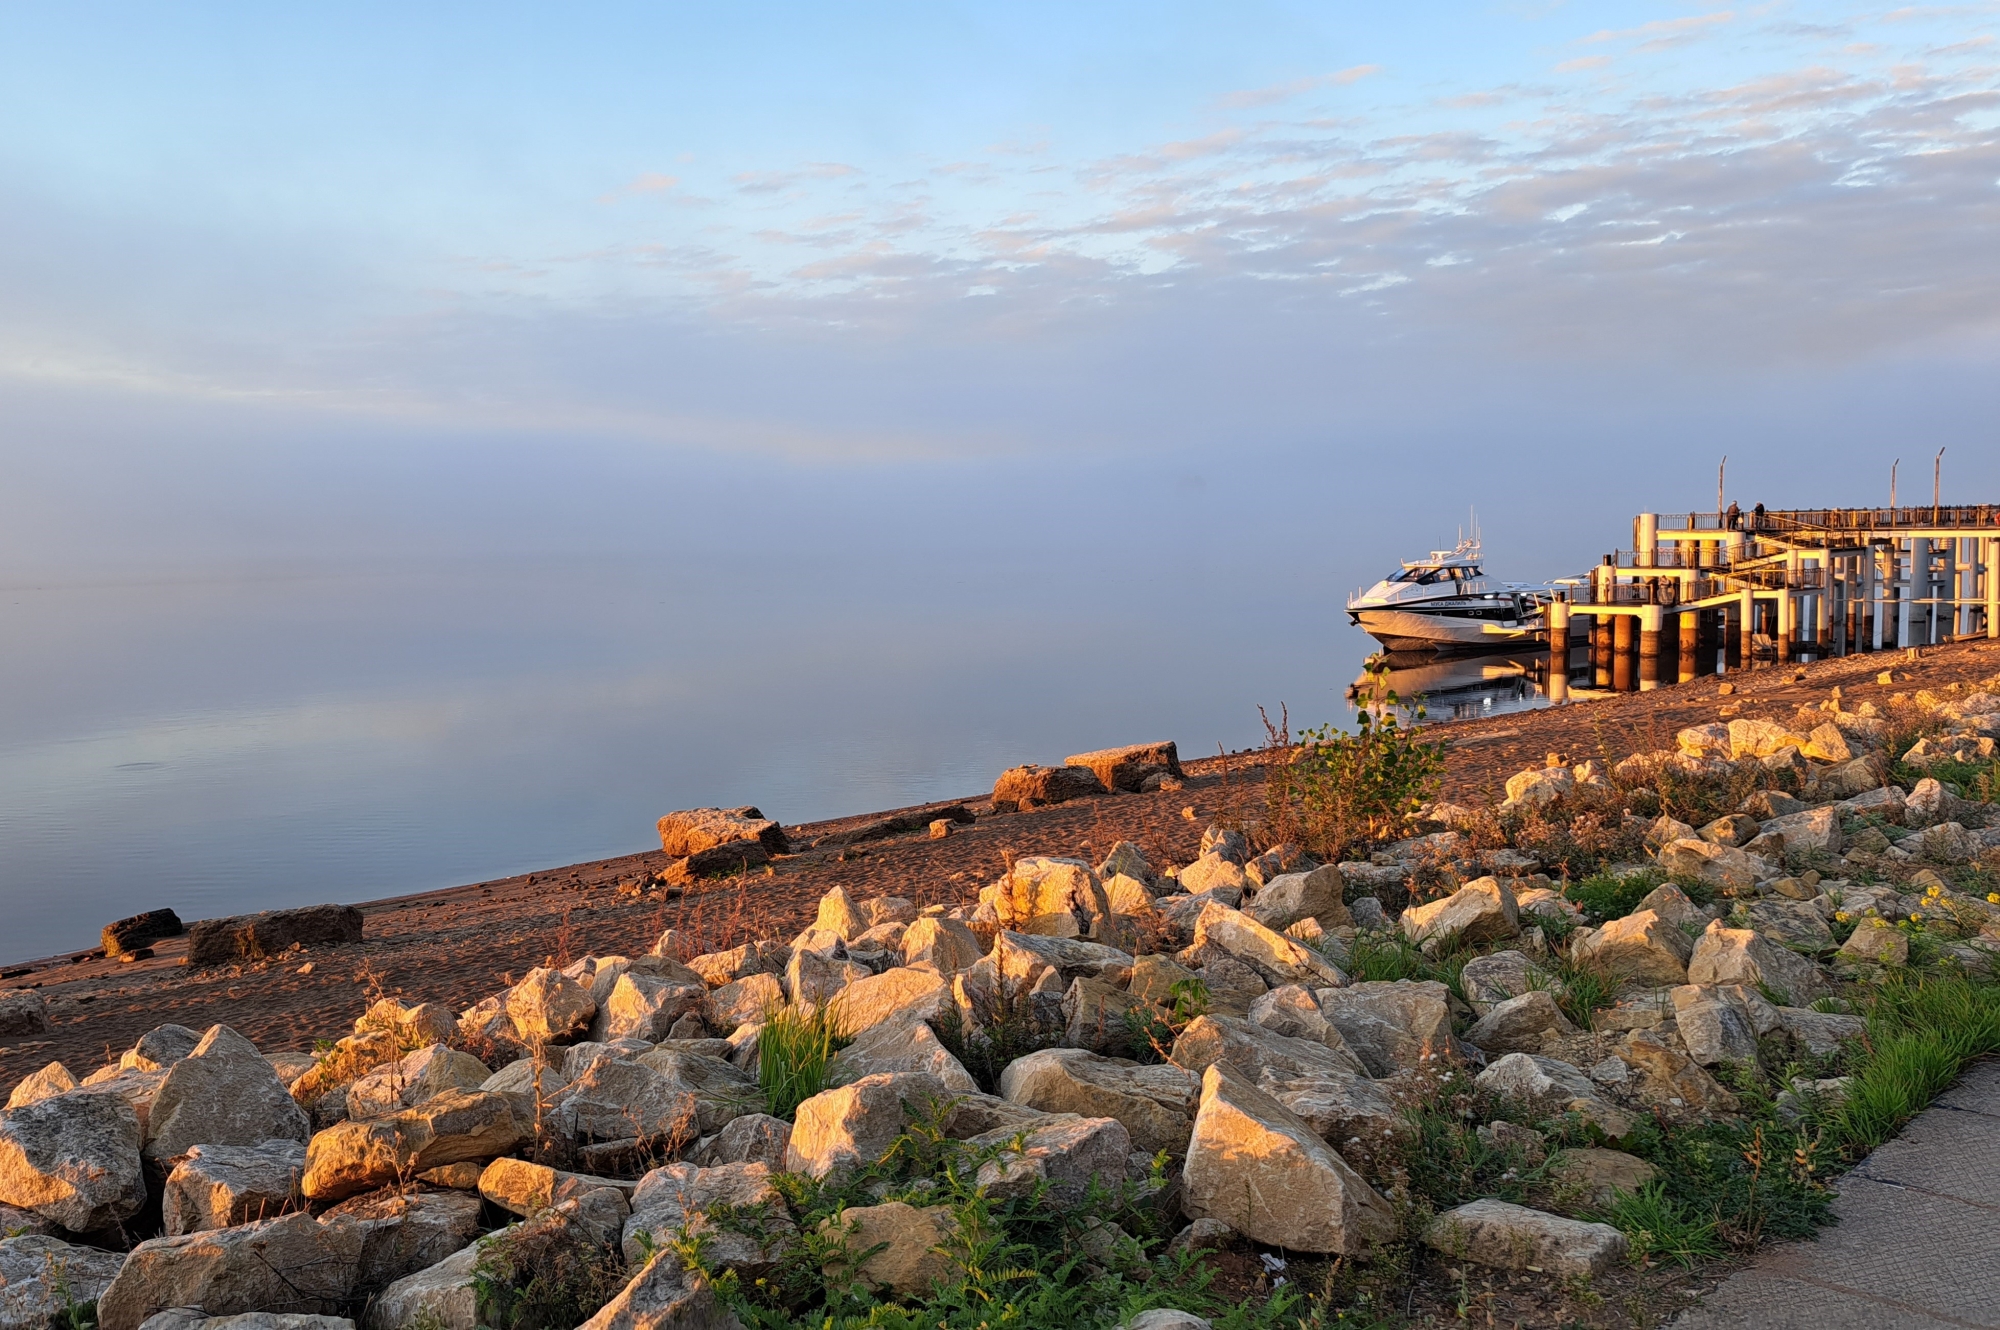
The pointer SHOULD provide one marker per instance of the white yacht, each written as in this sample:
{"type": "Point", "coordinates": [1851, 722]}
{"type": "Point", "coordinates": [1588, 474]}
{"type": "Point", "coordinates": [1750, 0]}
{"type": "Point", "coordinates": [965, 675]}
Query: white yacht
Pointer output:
{"type": "Point", "coordinates": [1446, 603]}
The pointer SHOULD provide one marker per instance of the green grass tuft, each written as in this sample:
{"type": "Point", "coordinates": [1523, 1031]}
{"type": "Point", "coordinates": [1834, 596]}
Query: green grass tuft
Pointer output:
{"type": "Point", "coordinates": [793, 1052]}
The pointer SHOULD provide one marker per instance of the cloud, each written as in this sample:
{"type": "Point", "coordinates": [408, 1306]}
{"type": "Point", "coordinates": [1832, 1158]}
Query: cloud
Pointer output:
{"type": "Point", "coordinates": [1584, 62]}
{"type": "Point", "coordinates": [1284, 92]}
{"type": "Point", "coordinates": [647, 182]}
{"type": "Point", "coordinates": [1660, 34]}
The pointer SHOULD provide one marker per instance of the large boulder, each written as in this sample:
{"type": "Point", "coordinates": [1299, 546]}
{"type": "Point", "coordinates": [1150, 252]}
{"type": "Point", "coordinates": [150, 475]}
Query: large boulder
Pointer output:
{"type": "Point", "coordinates": [1067, 1154]}
{"type": "Point", "coordinates": [664, 1095]}
{"type": "Point", "coordinates": [1715, 1026]}
{"type": "Point", "coordinates": [1250, 1048]}
{"type": "Point", "coordinates": [404, 1231]}
{"type": "Point", "coordinates": [1721, 866]}
{"type": "Point", "coordinates": [1513, 1237]}
{"type": "Point", "coordinates": [1392, 1026]}
{"type": "Point", "coordinates": [250, 937]}
{"type": "Point", "coordinates": [1290, 897]}
{"type": "Point", "coordinates": [1256, 1166]}
{"type": "Point", "coordinates": [944, 945]}
{"type": "Point", "coordinates": [1482, 910]}
{"type": "Point", "coordinates": [642, 1006]}
{"type": "Point", "coordinates": [1499, 975]}
{"type": "Point", "coordinates": [453, 1127]}
{"type": "Point", "coordinates": [900, 1046]}
{"type": "Point", "coordinates": [1277, 959]}
{"type": "Point", "coordinates": [752, 998]}
{"type": "Point", "coordinates": [424, 1074]}
{"type": "Point", "coordinates": [854, 1125]}
{"type": "Point", "coordinates": [893, 1246]}
{"type": "Point", "coordinates": [1752, 737]}
{"type": "Point", "coordinates": [1519, 1024]}
{"type": "Point", "coordinates": [1641, 948]}
{"type": "Point", "coordinates": [897, 996]}
{"type": "Point", "coordinates": [549, 1007]}
{"type": "Point", "coordinates": [219, 1186]}
{"type": "Point", "coordinates": [42, 1279]}
{"type": "Point", "coordinates": [444, 1297]}
{"type": "Point", "coordinates": [1815, 829]}
{"type": "Point", "coordinates": [289, 1264]}
{"type": "Point", "coordinates": [1130, 767]}
{"type": "Point", "coordinates": [1293, 1010]}
{"type": "Point", "coordinates": [695, 831]}
{"type": "Point", "coordinates": [754, 1138]}
{"type": "Point", "coordinates": [1554, 1087]}
{"type": "Point", "coordinates": [1744, 956]}
{"type": "Point", "coordinates": [1037, 787]}
{"type": "Point", "coordinates": [73, 1159]}
{"type": "Point", "coordinates": [1155, 1103]}
{"type": "Point", "coordinates": [1340, 1106]}
{"type": "Point", "coordinates": [223, 1093]}
{"type": "Point", "coordinates": [1024, 957]}
{"type": "Point", "coordinates": [1051, 897]}
{"type": "Point", "coordinates": [664, 1296]}
{"type": "Point", "coordinates": [677, 1197]}
{"type": "Point", "coordinates": [140, 930]}
{"type": "Point", "coordinates": [50, 1081]}
{"type": "Point", "coordinates": [1103, 1017]}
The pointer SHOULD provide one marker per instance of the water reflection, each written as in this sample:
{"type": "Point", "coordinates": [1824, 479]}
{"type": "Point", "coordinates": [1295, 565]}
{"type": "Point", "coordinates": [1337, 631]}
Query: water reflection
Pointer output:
{"type": "Point", "coordinates": [1453, 687]}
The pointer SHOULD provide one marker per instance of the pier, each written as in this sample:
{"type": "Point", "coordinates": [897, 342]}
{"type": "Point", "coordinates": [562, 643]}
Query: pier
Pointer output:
{"type": "Point", "coordinates": [1709, 593]}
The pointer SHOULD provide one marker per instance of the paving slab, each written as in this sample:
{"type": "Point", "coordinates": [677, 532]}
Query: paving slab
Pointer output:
{"type": "Point", "coordinates": [1917, 1242]}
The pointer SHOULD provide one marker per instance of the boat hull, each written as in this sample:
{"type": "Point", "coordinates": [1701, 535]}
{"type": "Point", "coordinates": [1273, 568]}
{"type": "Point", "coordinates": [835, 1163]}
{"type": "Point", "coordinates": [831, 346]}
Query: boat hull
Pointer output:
{"type": "Point", "coordinates": [1402, 630]}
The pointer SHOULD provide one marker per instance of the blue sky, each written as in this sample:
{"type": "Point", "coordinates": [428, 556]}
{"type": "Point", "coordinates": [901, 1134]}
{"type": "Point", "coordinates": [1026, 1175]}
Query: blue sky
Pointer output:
{"type": "Point", "coordinates": [248, 246]}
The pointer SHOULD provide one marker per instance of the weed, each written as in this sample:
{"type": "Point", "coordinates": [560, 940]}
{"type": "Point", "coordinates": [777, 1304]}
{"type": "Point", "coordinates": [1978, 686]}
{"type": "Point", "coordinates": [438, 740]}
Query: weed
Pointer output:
{"type": "Point", "coordinates": [1006, 1024]}
{"type": "Point", "coordinates": [1659, 1227]}
{"type": "Point", "coordinates": [546, 1278]}
{"type": "Point", "coordinates": [1920, 1033]}
{"type": "Point", "coordinates": [793, 1052]}
{"type": "Point", "coordinates": [1336, 790]}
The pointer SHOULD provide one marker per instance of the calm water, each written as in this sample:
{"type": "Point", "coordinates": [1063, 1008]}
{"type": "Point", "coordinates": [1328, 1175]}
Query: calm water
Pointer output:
{"type": "Point", "coordinates": [228, 744]}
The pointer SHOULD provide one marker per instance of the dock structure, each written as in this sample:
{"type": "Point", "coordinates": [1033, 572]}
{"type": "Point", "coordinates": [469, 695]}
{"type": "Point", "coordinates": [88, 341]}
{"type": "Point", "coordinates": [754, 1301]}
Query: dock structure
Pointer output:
{"type": "Point", "coordinates": [1716, 592]}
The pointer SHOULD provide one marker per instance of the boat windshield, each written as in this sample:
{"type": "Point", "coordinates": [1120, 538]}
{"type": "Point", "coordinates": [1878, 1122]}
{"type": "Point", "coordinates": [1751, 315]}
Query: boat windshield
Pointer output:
{"type": "Point", "coordinates": [1429, 576]}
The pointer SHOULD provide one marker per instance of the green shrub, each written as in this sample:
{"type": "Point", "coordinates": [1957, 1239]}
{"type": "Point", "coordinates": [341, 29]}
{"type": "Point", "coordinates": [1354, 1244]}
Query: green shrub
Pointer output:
{"type": "Point", "coordinates": [1005, 1025]}
{"type": "Point", "coordinates": [1337, 790]}
{"type": "Point", "coordinates": [547, 1279]}
{"type": "Point", "coordinates": [793, 1052]}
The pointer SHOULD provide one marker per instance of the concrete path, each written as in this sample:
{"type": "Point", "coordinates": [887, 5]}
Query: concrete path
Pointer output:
{"type": "Point", "coordinates": [1918, 1242]}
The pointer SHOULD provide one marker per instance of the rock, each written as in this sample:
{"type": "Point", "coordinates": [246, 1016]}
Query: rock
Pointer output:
{"type": "Point", "coordinates": [676, 1198]}
{"type": "Point", "coordinates": [1293, 1011]}
{"type": "Point", "coordinates": [1814, 830]}
{"type": "Point", "coordinates": [1670, 1079]}
{"type": "Point", "coordinates": [1392, 1026]}
{"type": "Point", "coordinates": [1154, 977]}
{"type": "Point", "coordinates": [47, 1083]}
{"type": "Point", "coordinates": [1276, 958]}
{"type": "Point", "coordinates": [1127, 768]}
{"type": "Point", "coordinates": [73, 1159]}
{"type": "Point", "coordinates": [139, 930]}
{"type": "Point", "coordinates": [1211, 874]}
{"type": "Point", "coordinates": [812, 977]}
{"type": "Point", "coordinates": [1168, 1318]}
{"type": "Point", "coordinates": [1232, 986]}
{"type": "Point", "coordinates": [900, 1046]}
{"type": "Point", "coordinates": [530, 1087]}
{"type": "Point", "coordinates": [1037, 787]}
{"type": "Point", "coordinates": [1601, 1175]}
{"type": "Point", "coordinates": [42, 1278]}
{"type": "Point", "coordinates": [855, 1124]}
{"type": "Point", "coordinates": [1066, 1154]}
{"type": "Point", "coordinates": [751, 998]}
{"type": "Point", "coordinates": [1821, 1032]}
{"type": "Point", "coordinates": [1339, 1106]}
{"type": "Point", "coordinates": [403, 1232]}
{"type": "Point", "coordinates": [1290, 897]}
{"type": "Point", "coordinates": [524, 1188]}
{"type": "Point", "coordinates": [1848, 780]}
{"type": "Point", "coordinates": [23, 1013]}
{"type": "Point", "coordinates": [1128, 895]}
{"type": "Point", "coordinates": [1101, 1017]}
{"type": "Point", "coordinates": [223, 1093]}
{"type": "Point", "coordinates": [754, 1138]}
{"type": "Point", "coordinates": [645, 1007]}
{"type": "Point", "coordinates": [421, 1075]}
{"type": "Point", "coordinates": [1050, 897]}
{"type": "Point", "coordinates": [443, 1297]}
{"type": "Point", "coordinates": [697, 831]}
{"type": "Point", "coordinates": [900, 1242]}
{"type": "Point", "coordinates": [1539, 786]}
{"type": "Point", "coordinates": [1513, 1237]}
{"type": "Point", "coordinates": [1256, 1166]}
{"type": "Point", "coordinates": [448, 1128]}
{"type": "Point", "coordinates": [942, 944]}
{"type": "Point", "coordinates": [1482, 910]}
{"type": "Point", "coordinates": [674, 1095]}
{"type": "Point", "coordinates": [549, 1007]}
{"type": "Point", "coordinates": [1519, 1024]}
{"type": "Point", "coordinates": [1765, 805]}
{"type": "Point", "coordinates": [1827, 744]}
{"type": "Point", "coordinates": [1718, 865]}
{"type": "Point", "coordinates": [1553, 1086]}
{"type": "Point", "coordinates": [1789, 921]}
{"type": "Point", "coordinates": [1155, 1103]}
{"type": "Point", "coordinates": [220, 1186]}
{"type": "Point", "coordinates": [1024, 957]}
{"type": "Point", "coordinates": [1369, 916]}
{"type": "Point", "coordinates": [1707, 740]}
{"type": "Point", "coordinates": [664, 1296]}
{"type": "Point", "coordinates": [288, 1264]}
{"type": "Point", "coordinates": [1733, 830]}
{"type": "Point", "coordinates": [1741, 956]}
{"type": "Point", "coordinates": [1876, 943]}
{"type": "Point", "coordinates": [414, 1027]}
{"type": "Point", "coordinates": [718, 968]}
{"type": "Point", "coordinates": [898, 996]}
{"type": "Point", "coordinates": [1497, 976]}
{"type": "Point", "coordinates": [1250, 1048]}
{"type": "Point", "coordinates": [1761, 738]}
{"type": "Point", "coordinates": [159, 1048]}
{"type": "Point", "coordinates": [1640, 948]}
{"type": "Point", "coordinates": [1673, 906]}
{"type": "Point", "coordinates": [250, 937]}
{"type": "Point", "coordinates": [1665, 831]}
{"type": "Point", "coordinates": [1715, 1027]}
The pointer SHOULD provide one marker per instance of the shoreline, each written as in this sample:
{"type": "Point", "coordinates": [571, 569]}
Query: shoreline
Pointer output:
{"type": "Point", "coordinates": [455, 944]}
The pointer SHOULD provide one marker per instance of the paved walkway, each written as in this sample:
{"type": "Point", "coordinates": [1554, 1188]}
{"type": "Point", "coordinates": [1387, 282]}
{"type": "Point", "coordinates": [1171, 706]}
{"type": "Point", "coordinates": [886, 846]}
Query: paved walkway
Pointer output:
{"type": "Point", "coordinates": [1918, 1242]}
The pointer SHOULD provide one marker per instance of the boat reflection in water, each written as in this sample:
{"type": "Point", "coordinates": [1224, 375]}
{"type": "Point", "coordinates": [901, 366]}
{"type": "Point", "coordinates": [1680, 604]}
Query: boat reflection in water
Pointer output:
{"type": "Point", "coordinates": [1453, 688]}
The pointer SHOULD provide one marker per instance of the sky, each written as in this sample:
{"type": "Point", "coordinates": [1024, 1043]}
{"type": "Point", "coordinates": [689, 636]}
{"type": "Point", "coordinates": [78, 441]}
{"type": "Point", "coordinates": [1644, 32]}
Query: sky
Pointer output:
{"type": "Point", "coordinates": [301, 282]}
